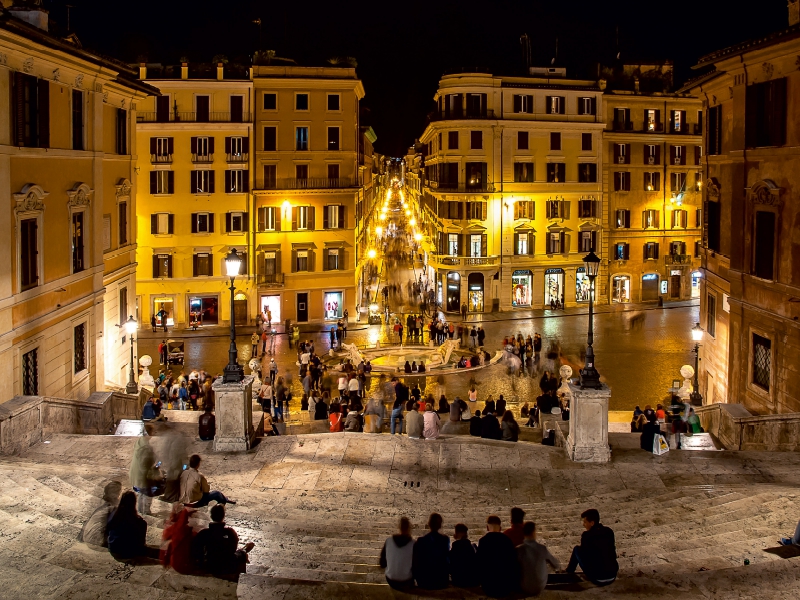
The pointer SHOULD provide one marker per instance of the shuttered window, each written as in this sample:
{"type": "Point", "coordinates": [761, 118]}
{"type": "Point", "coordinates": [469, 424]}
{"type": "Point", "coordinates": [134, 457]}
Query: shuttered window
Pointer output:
{"type": "Point", "coordinates": [765, 114]}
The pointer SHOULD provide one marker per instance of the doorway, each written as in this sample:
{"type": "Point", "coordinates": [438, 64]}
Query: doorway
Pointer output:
{"type": "Point", "coordinates": [163, 310]}
{"type": "Point", "coordinates": [674, 287]}
{"type": "Point", "coordinates": [622, 288]}
{"type": "Point", "coordinates": [650, 287]}
{"type": "Point", "coordinates": [204, 310]}
{"type": "Point", "coordinates": [696, 276]}
{"type": "Point", "coordinates": [475, 288]}
{"type": "Point", "coordinates": [240, 309]}
{"type": "Point", "coordinates": [302, 307]}
{"type": "Point", "coordinates": [453, 292]}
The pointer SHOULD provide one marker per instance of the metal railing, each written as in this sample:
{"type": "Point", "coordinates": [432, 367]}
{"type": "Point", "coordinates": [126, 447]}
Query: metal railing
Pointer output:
{"type": "Point", "coordinates": [161, 158]}
{"type": "Point", "coordinates": [202, 158]}
{"type": "Point", "coordinates": [193, 117]}
{"type": "Point", "coordinates": [270, 279]}
{"type": "Point", "coordinates": [242, 157]}
{"type": "Point", "coordinates": [677, 259]}
{"type": "Point", "coordinates": [310, 183]}
{"type": "Point", "coordinates": [622, 125]}
{"type": "Point", "coordinates": [464, 261]}
{"type": "Point", "coordinates": [461, 114]}
{"type": "Point", "coordinates": [462, 188]}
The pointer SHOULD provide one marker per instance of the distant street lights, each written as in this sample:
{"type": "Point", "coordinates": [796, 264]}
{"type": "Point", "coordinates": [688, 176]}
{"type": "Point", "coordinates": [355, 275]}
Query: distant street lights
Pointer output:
{"type": "Point", "coordinates": [130, 328]}
{"type": "Point", "coordinates": [234, 372]}
{"type": "Point", "coordinates": [590, 378]}
{"type": "Point", "coordinates": [697, 336]}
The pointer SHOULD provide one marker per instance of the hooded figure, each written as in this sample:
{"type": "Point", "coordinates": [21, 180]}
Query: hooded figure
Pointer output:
{"type": "Point", "coordinates": [146, 478]}
{"type": "Point", "coordinates": [94, 530]}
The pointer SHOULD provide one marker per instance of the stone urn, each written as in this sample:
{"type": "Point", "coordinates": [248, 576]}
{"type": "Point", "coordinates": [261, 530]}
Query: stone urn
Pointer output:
{"type": "Point", "coordinates": [146, 379]}
{"type": "Point", "coordinates": [687, 372]}
{"type": "Point", "coordinates": [255, 371]}
{"type": "Point", "coordinates": [566, 372]}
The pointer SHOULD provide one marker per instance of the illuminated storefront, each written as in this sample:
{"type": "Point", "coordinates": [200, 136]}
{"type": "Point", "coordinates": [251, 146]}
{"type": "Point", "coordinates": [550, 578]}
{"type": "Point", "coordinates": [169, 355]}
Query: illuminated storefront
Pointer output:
{"type": "Point", "coordinates": [581, 285]}
{"type": "Point", "coordinates": [553, 286]}
{"type": "Point", "coordinates": [521, 289]}
{"type": "Point", "coordinates": [273, 303]}
{"type": "Point", "coordinates": [622, 288]}
{"type": "Point", "coordinates": [453, 292]}
{"type": "Point", "coordinates": [650, 287]}
{"type": "Point", "coordinates": [164, 308]}
{"type": "Point", "coordinates": [204, 310]}
{"type": "Point", "coordinates": [475, 287]}
{"type": "Point", "coordinates": [332, 305]}
{"type": "Point", "coordinates": [696, 277]}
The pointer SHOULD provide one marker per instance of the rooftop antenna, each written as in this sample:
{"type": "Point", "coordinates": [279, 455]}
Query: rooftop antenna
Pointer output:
{"type": "Point", "coordinates": [553, 60]}
{"type": "Point", "coordinates": [525, 42]}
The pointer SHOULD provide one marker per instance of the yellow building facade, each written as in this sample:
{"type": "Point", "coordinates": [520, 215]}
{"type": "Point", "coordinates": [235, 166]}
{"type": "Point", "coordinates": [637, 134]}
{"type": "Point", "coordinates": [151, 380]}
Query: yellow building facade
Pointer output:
{"type": "Point", "coordinates": [309, 191]}
{"type": "Point", "coordinates": [67, 152]}
{"type": "Point", "coordinates": [194, 203]}
{"type": "Point", "coordinates": [512, 200]}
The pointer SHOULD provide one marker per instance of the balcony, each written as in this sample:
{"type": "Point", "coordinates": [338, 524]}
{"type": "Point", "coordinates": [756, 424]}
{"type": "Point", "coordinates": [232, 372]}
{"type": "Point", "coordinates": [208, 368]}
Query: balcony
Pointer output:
{"type": "Point", "coordinates": [202, 158]}
{"type": "Point", "coordinates": [310, 183]}
{"type": "Point", "coordinates": [649, 127]}
{"type": "Point", "coordinates": [622, 125]}
{"type": "Point", "coordinates": [461, 114]}
{"type": "Point", "coordinates": [682, 129]}
{"type": "Point", "coordinates": [464, 261]}
{"type": "Point", "coordinates": [241, 157]}
{"type": "Point", "coordinates": [677, 259]}
{"type": "Point", "coordinates": [270, 279]}
{"type": "Point", "coordinates": [193, 117]}
{"type": "Point", "coordinates": [161, 159]}
{"type": "Point", "coordinates": [461, 188]}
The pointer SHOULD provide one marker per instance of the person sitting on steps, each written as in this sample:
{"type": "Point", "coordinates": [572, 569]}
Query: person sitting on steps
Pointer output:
{"type": "Point", "coordinates": [597, 553]}
{"type": "Point", "coordinates": [215, 548]}
{"type": "Point", "coordinates": [195, 491]}
{"type": "Point", "coordinates": [397, 558]}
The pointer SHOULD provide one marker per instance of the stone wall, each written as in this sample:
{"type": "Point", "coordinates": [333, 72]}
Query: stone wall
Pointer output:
{"type": "Point", "coordinates": [26, 420]}
{"type": "Point", "coordinates": [738, 429]}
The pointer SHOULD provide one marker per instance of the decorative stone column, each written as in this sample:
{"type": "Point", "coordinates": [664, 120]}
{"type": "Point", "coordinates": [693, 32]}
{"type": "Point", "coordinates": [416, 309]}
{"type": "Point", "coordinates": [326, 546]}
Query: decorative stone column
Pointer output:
{"type": "Point", "coordinates": [234, 415]}
{"type": "Point", "coordinates": [588, 425]}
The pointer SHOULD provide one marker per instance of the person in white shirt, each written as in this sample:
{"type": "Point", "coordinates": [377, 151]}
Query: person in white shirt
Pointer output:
{"type": "Point", "coordinates": [396, 558]}
{"type": "Point", "coordinates": [352, 387]}
{"type": "Point", "coordinates": [533, 558]}
{"type": "Point", "coordinates": [342, 386]}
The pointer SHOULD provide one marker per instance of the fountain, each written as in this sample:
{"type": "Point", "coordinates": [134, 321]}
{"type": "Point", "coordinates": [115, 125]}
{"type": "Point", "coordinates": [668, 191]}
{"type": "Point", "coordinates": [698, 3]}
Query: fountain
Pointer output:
{"type": "Point", "coordinates": [443, 358]}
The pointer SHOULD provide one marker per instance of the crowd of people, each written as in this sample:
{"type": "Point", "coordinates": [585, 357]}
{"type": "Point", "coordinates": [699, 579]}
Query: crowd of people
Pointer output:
{"type": "Point", "coordinates": [502, 562]}
{"type": "Point", "coordinates": [677, 420]}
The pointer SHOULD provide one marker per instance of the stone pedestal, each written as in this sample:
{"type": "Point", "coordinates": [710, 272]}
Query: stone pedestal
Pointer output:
{"type": "Point", "coordinates": [588, 425]}
{"type": "Point", "coordinates": [234, 415]}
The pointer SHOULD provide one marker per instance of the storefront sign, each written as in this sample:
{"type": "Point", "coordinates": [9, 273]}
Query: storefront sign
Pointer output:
{"type": "Point", "coordinates": [649, 276]}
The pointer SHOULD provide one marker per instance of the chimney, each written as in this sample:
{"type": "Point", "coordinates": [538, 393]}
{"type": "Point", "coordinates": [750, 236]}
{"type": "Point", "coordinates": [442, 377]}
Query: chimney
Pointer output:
{"type": "Point", "coordinates": [794, 12]}
{"type": "Point", "coordinates": [33, 14]}
{"type": "Point", "coordinates": [184, 70]}
{"type": "Point", "coordinates": [142, 70]}
{"type": "Point", "coordinates": [220, 70]}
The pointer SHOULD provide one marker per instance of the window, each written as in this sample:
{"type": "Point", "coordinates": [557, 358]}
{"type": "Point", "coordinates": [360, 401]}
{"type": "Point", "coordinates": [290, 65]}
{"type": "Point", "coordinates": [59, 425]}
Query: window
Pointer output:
{"type": "Point", "coordinates": [652, 181]}
{"type": "Point", "coordinates": [202, 265]}
{"type": "Point", "coordinates": [523, 103]}
{"type": "Point", "coordinates": [588, 208]}
{"type": "Point", "coordinates": [556, 242]}
{"type": "Point", "coordinates": [272, 266]}
{"type": "Point", "coordinates": [162, 265]}
{"type": "Point", "coordinates": [677, 121]}
{"type": "Point", "coordinates": [652, 120]}
{"type": "Point", "coordinates": [202, 106]}
{"type": "Point", "coordinates": [475, 175]}
{"type": "Point", "coordinates": [677, 155]}
{"type": "Point", "coordinates": [78, 235]}
{"type": "Point", "coordinates": [122, 208]}
{"type": "Point", "coordinates": [622, 119]}
{"type": "Point", "coordinates": [123, 305]}
{"type": "Point", "coordinates": [652, 154]}
{"type": "Point", "coordinates": [301, 138]}
{"type": "Point", "coordinates": [161, 149]}
{"type": "Point", "coordinates": [523, 244]}
{"type": "Point", "coordinates": [698, 217]}
{"type": "Point", "coordinates": [698, 250]}
{"type": "Point", "coordinates": [237, 181]}
{"type": "Point", "coordinates": [301, 172]}
{"type": "Point", "coordinates": [622, 154]}
{"type": "Point", "coordinates": [556, 209]}
{"type": "Point", "coordinates": [764, 245]}
{"type": "Point", "coordinates": [162, 182]}
{"type": "Point", "coordinates": [476, 140]}
{"type": "Point", "coordinates": [30, 373]}
{"type": "Point", "coordinates": [269, 218]}
{"type": "Point", "coordinates": [302, 218]}
{"type": "Point", "coordinates": [677, 248]}
{"type": "Point", "coordinates": [77, 120]}
{"type": "Point", "coordinates": [333, 217]}
{"type": "Point", "coordinates": [587, 241]}
{"type": "Point", "coordinates": [270, 101]}
{"type": "Point", "coordinates": [333, 102]}
{"type": "Point", "coordinates": [587, 173]}
{"type": "Point", "coordinates": [622, 181]}
{"type": "Point", "coordinates": [236, 222]}
{"type": "Point", "coordinates": [202, 149]}
{"type": "Point", "coordinates": [555, 140]}
{"type": "Point", "coordinates": [524, 209]}
{"type": "Point", "coordinates": [333, 174]}
{"type": "Point", "coordinates": [556, 172]}
{"type": "Point", "coordinates": [162, 224]}
{"type": "Point", "coordinates": [270, 139]}
{"type": "Point", "coordinates": [452, 140]}
{"type": "Point", "coordinates": [202, 182]}
{"type": "Point", "coordinates": [523, 172]}
{"type": "Point", "coordinates": [237, 108]}
{"type": "Point", "coordinates": [162, 108]}
{"type": "Point", "coordinates": [270, 177]}
{"type": "Point", "coordinates": [714, 135]}
{"type": "Point", "coordinates": [29, 253]}
{"type": "Point", "coordinates": [680, 219]}
{"type": "Point", "coordinates": [301, 102]}
{"type": "Point", "coordinates": [333, 138]}
{"type": "Point", "coordinates": [587, 106]}
{"type": "Point", "coordinates": [476, 105]}
{"type": "Point", "coordinates": [452, 244]}
{"type": "Point", "coordinates": [202, 222]}
{"type": "Point", "coordinates": [332, 259]}
{"type": "Point", "coordinates": [122, 131]}
{"type": "Point", "coordinates": [301, 260]}
{"type": "Point", "coordinates": [762, 361]}
{"type": "Point", "coordinates": [586, 142]}
{"type": "Point", "coordinates": [765, 114]}
{"type": "Point", "coordinates": [651, 251]}
{"type": "Point", "coordinates": [31, 111]}
{"type": "Point", "coordinates": [623, 218]}
{"type": "Point", "coordinates": [698, 155]}
{"type": "Point", "coordinates": [677, 182]}
{"type": "Point", "coordinates": [476, 245]}
{"type": "Point", "coordinates": [237, 148]}
{"type": "Point", "coordinates": [79, 348]}
{"type": "Point", "coordinates": [439, 146]}
{"type": "Point", "coordinates": [476, 211]}
{"type": "Point", "coordinates": [621, 251]}
{"type": "Point", "coordinates": [650, 218]}
{"type": "Point", "coordinates": [522, 140]}
{"type": "Point", "coordinates": [555, 105]}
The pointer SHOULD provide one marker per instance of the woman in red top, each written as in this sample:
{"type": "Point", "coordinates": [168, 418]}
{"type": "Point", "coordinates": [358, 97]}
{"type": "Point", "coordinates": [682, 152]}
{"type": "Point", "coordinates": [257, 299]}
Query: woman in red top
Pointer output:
{"type": "Point", "coordinates": [336, 422]}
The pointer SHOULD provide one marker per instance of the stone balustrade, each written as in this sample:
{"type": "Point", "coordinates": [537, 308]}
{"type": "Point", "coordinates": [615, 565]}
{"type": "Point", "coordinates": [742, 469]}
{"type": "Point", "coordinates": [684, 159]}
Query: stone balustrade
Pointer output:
{"type": "Point", "coordinates": [737, 429]}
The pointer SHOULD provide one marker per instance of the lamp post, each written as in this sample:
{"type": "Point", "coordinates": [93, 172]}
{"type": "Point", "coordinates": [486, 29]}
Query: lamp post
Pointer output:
{"type": "Point", "coordinates": [590, 378]}
{"type": "Point", "coordinates": [234, 372]}
{"type": "Point", "coordinates": [130, 328]}
{"type": "Point", "coordinates": [697, 336]}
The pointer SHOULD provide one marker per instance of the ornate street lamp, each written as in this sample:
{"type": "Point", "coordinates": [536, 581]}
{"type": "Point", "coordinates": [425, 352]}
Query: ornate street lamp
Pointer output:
{"type": "Point", "coordinates": [130, 328]}
{"type": "Point", "coordinates": [697, 336]}
{"type": "Point", "coordinates": [234, 372]}
{"type": "Point", "coordinates": [590, 378]}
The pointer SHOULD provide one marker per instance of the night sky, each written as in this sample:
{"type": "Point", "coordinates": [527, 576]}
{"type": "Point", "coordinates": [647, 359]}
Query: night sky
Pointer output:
{"type": "Point", "coordinates": [402, 48]}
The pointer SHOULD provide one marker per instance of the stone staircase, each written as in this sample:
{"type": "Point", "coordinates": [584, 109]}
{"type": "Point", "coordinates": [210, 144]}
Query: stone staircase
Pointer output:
{"type": "Point", "coordinates": [320, 506]}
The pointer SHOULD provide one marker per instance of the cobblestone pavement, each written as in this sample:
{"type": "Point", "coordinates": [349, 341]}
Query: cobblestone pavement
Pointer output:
{"type": "Point", "coordinates": [639, 362]}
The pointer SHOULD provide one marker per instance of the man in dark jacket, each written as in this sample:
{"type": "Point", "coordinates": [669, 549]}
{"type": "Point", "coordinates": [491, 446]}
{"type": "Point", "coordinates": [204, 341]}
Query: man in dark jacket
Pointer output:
{"type": "Point", "coordinates": [207, 425]}
{"type": "Point", "coordinates": [497, 557]}
{"type": "Point", "coordinates": [463, 563]}
{"type": "Point", "coordinates": [430, 563]}
{"type": "Point", "coordinates": [597, 554]}
{"type": "Point", "coordinates": [490, 427]}
{"type": "Point", "coordinates": [215, 549]}
{"type": "Point", "coordinates": [475, 424]}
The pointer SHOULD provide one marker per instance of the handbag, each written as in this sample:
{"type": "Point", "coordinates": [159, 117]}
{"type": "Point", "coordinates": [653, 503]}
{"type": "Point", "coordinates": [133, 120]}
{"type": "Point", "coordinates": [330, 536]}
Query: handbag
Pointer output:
{"type": "Point", "coordinates": [660, 445]}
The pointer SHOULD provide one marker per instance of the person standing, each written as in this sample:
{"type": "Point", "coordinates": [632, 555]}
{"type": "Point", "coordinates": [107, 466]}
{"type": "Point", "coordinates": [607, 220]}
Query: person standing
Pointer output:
{"type": "Point", "coordinates": [533, 559]}
{"type": "Point", "coordinates": [207, 425]}
{"type": "Point", "coordinates": [254, 341]}
{"type": "Point", "coordinates": [273, 370]}
{"type": "Point", "coordinates": [597, 553]}
{"type": "Point", "coordinates": [346, 318]}
{"type": "Point", "coordinates": [269, 318]}
{"type": "Point", "coordinates": [153, 323]}
{"type": "Point", "coordinates": [463, 311]}
{"type": "Point", "coordinates": [473, 337]}
{"type": "Point", "coordinates": [397, 558]}
{"type": "Point", "coordinates": [397, 414]}
{"type": "Point", "coordinates": [497, 557]}
{"type": "Point", "coordinates": [481, 336]}
{"type": "Point", "coordinates": [263, 342]}
{"type": "Point", "coordinates": [162, 352]}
